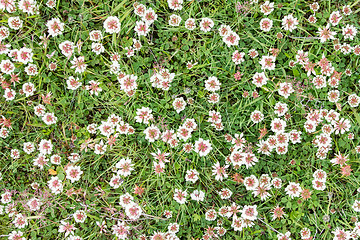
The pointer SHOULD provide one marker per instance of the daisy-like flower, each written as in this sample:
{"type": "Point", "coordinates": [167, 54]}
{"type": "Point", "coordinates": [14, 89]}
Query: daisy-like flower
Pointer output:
{"type": "Point", "coordinates": [45, 146]}
{"type": "Point", "coordinates": [97, 48]}
{"type": "Point", "coordinates": [266, 24]}
{"type": "Point", "coordinates": [112, 25]}
{"type": "Point", "coordinates": [31, 70]}
{"type": "Point", "coordinates": [238, 57]}
{"type": "Point", "coordinates": [326, 34]}
{"type": "Point", "coordinates": [280, 109]}
{"type": "Point", "coordinates": [55, 159]}
{"type": "Point", "coordinates": [259, 79]}
{"type": "Point", "coordinates": [144, 115]}
{"type": "Point", "coordinates": [142, 28]}
{"type": "Point", "coordinates": [55, 185]}
{"type": "Point", "coordinates": [210, 215]}
{"type": "Point", "coordinates": [256, 116]}
{"type": "Point", "coordinates": [95, 35]}
{"type": "Point", "coordinates": [225, 193]}
{"type": "Point", "coordinates": [73, 83]}
{"type": "Point", "coordinates": [80, 216]}
{"type": "Point", "coordinates": [206, 24]}
{"type": "Point", "coordinates": [79, 64]}
{"type": "Point", "coordinates": [289, 23]}
{"type": "Point", "coordinates": [6, 197]}
{"type": "Point", "coordinates": [333, 96]}
{"type": "Point", "coordinates": [356, 206]}
{"type": "Point", "coordinates": [335, 18]}
{"type": "Point", "coordinates": [149, 16]}
{"type": "Point", "coordinates": [190, 24]}
{"type": "Point", "coordinates": [318, 185]}
{"type": "Point", "coordinates": [133, 211]}
{"type": "Point", "coordinates": [67, 48]}
{"type": "Point", "coordinates": [16, 235]}
{"type": "Point", "coordinates": [267, 7]}
{"type": "Point", "coordinates": [212, 84]}
{"type": "Point", "coordinates": [179, 104]}
{"type": "Point", "coordinates": [231, 39]}
{"type": "Point", "coordinates": [100, 148]}
{"type": "Point", "coordinates": [55, 27]}
{"type": "Point", "coordinates": [285, 89]}
{"type": "Point", "coordinates": [267, 62]}
{"type": "Point", "coordinates": [341, 234]}
{"type": "Point", "coordinates": [28, 89]}
{"type": "Point", "coordinates": [125, 167]}
{"type": "Point", "coordinates": [66, 227]}
{"type": "Point", "coordinates": [353, 100]}
{"type": "Point", "coordinates": [175, 4]}
{"type": "Point", "coordinates": [180, 196]}
{"type": "Point", "coordinates": [349, 31]}
{"type": "Point", "coordinates": [173, 227]}
{"type": "Point", "coordinates": [249, 212]}
{"type": "Point", "coordinates": [15, 23]}
{"type": "Point", "coordinates": [152, 133]}
{"type": "Point", "coordinates": [305, 233]}
{"type": "Point", "coordinates": [49, 118]}
{"type": "Point", "coordinates": [278, 213]}
{"type": "Point", "coordinates": [276, 183]}
{"type": "Point", "coordinates": [4, 33]}
{"type": "Point", "coordinates": [293, 189]}
{"type": "Point", "coordinates": [197, 195]}
{"type": "Point", "coordinates": [219, 172]}
{"type": "Point", "coordinates": [174, 20]}
{"type": "Point", "coordinates": [346, 10]}
{"type": "Point", "coordinates": [29, 147]}
{"type": "Point", "coordinates": [115, 182]}
{"type": "Point", "coordinates": [202, 147]}
{"type": "Point", "coordinates": [224, 30]}
{"type": "Point", "coordinates": [120, 230]}
{"type": "Point", "coordinates": [341, 126]}
{"type": "Point", "coordinates": [20, 221]}
{"type": "Point", "coordinates": [191, 175]}
{"type": "Point", "coordinates": [93, 87]}
{"type": "Point", "coordinates": [73, 173]}
{"type": "Point", "coordinates": [278, 125]}
{"type": "Point", "coordinates": [7, 67]}
{"type": "Point", "coordinates": [285, 236]}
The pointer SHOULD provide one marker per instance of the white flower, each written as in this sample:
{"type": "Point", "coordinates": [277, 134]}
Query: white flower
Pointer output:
{"type": "Point", "coordinates": [133, 211]}
{"type": "Point", "coordinates": [293, 189]}
{"type": "Point", "coordinates": [174, 20]}
{"type": "Point", "coordinates": [197, 195]}
{"type": "Point", "coordinates": [80, 216]}
{"type": "Point", "coordinates": [202, 147]}
{"type": "Point", "coordinates": [73, 173]}
{"type": "Point", "coordinates": [55, 27]}
{"type": "Point", "coordinates": [289, 23]}
{"type": "Point", "coordinates": [112, 25]}
{"type": "Point", "coordinates": [49, 118]}
{"type": "Point", "coordinates": [179, 104]}
{"type": "Point", "coordinates": [356, 206]}
{"type": "Point", "coordinates": [266, 24]}
{"type": "Point", "coordinates": [15, 23]}
{"type": "Point", "coordinates": [206, 24]}
{"type": "Point", "coordinates": [180, 196]}
{"type": "Point", "coordinates": [152, 133]}
{"type": "Point", "coordinates": [267, 62]}
{"type": "Point", "coordinates": [55, 185]}
{"type": "Point", "coordinates": [125, 167]}
{"type": "Point", "coordinates": [212, 84]}
{"type": "Point", "coordinates": [249, 212]}
{"type": "Point", "coordinates": [73, 83]}
{"type": "Point", "coordinates": [28, 89]}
